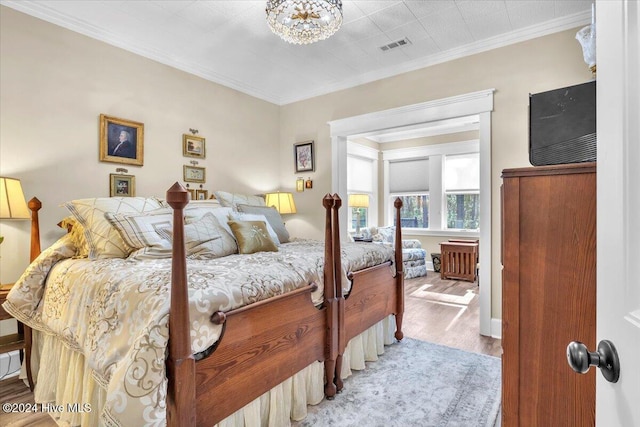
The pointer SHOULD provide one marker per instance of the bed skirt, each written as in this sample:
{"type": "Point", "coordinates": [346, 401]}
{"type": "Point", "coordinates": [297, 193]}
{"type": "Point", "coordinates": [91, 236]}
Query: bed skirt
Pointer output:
{"type": "Point", "coordinates": [65, 381]}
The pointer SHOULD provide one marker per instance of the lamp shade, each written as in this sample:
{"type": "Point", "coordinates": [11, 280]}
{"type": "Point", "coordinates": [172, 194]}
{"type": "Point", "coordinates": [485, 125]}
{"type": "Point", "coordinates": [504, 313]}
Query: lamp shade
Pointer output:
{"type": "Point", "coordinates": [358, 200]}
{"type": "Point", "coordinates": [283, 202]}
{"type": "Point", "coordinates": [12, 203]}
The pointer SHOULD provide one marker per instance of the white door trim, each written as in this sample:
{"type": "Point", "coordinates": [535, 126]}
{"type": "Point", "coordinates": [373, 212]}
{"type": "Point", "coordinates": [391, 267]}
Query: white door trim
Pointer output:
{"type": "Point", "coordinates": [480, 103]}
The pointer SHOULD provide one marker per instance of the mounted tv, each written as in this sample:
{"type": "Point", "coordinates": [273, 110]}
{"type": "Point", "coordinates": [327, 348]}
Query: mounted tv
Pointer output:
{"type": "Point", "coordinates": [562, 125]}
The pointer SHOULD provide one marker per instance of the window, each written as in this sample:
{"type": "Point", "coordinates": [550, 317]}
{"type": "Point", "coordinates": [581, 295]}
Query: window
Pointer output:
{"type": "Point", "coordinates": [439, 185]}
{"type": "Point", "coordinates": [409, 180]}
{"type": "Point", "coordinates": [361, 187]}
{"type": "Point", "coordinates": [462, 191]}
{"type": "Point", "coordinates": [415, 210]}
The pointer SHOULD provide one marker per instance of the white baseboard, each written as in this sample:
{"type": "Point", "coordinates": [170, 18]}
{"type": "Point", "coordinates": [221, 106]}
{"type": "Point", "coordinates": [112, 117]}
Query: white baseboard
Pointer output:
{"type": "Point", "coordinates": [496, 328]}
{"type": "Point", "coordinates": [9, 364]}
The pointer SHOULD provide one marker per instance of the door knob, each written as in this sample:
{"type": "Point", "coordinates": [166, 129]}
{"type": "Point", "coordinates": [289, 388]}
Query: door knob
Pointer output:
{"type": "Point", "coordinates": [606, 358]}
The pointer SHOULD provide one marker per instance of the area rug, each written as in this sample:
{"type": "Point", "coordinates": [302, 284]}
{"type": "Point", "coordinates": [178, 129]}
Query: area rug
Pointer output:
{"type": "Point", "coordinates": [416, 383]}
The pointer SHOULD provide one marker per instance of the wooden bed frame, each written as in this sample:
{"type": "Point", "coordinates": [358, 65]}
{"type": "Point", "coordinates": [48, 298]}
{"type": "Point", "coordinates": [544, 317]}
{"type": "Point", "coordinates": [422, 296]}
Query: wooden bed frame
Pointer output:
{"type": "Point", "coordinates": [260, 347]}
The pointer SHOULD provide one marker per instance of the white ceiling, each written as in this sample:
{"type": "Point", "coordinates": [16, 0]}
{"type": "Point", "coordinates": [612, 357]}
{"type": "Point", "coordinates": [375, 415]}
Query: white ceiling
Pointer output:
{"type": "Point", "coordinates": [229, 42]}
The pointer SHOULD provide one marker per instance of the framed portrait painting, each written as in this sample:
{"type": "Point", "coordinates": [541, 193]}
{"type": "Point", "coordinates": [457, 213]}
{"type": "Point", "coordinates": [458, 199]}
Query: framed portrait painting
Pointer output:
{"type": "Point", "coordinates": [193, 174]}
{"type": "Point", "coordinates": [121, 141]}
{"type": "Point", "coordinates": [193, 146]}
{"type": "Point", "coordinates": [122, 185]}
{"type": "Point", "coordinates": [303, 153]}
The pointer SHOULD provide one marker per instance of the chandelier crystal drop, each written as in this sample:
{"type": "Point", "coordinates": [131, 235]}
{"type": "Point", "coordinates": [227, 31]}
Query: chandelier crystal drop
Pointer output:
{"type": "Point", "coordinates": [304, 21]}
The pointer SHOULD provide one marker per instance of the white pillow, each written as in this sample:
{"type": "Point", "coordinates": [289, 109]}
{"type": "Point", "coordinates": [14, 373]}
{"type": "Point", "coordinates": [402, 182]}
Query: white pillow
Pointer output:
{"type": "Point", "coordinates": [241, 216]}
{"type": "Point", "coordinates": [104, 240]}
{"type": "Point", "coordinates": [232, 200]}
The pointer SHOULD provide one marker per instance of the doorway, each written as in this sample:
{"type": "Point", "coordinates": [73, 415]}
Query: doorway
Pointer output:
{"type": "Point", "coordinates": [476, 103]}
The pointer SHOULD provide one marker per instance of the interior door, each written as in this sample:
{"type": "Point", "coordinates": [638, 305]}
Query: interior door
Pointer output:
{"type": "Point", "coordinates": [618, 182]}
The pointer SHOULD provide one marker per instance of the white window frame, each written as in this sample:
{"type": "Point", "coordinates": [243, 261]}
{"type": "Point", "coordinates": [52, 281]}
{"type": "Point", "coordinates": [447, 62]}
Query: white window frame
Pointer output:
{"type": "Point", "coordinates": [437, 197]}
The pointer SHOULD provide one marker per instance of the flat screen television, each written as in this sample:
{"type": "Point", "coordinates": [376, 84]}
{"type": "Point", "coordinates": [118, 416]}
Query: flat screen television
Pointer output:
{"type": "Point", "coordinates": [562, 125]}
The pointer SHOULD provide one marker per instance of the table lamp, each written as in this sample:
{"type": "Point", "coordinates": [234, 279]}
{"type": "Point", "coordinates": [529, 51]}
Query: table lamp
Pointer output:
{"type": "Point", "coordinates": [283, 202]}
{"type": "Point", "coordinates": [358, 201]}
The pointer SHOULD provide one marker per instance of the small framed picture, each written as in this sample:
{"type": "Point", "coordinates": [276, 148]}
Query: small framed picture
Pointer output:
{"type": "Point", "coordinates": [122, 185]}
{"type": "Point", "coordinates": [304, 157]}
{"type": "Point", "coordinates": [121, 141]}
{"type": "Point", "coordinates": [192, 193]}
{"type": "Point", "coordinates": [193, 146]}
{"type": "Point", "coordinates": [193, 174]}
{"type": "Point", "coordinates": [300, 185]}
{"type": "Point", "coordinates": [202, 194]}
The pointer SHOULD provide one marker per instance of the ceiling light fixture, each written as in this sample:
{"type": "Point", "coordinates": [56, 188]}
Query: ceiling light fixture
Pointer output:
{"type": "Point", "coordinates": [304, 21]}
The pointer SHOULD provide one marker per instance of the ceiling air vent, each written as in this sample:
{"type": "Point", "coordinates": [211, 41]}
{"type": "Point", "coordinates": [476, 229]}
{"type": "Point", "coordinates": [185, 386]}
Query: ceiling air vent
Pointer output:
{"type": "Point", "coordinates": [402, 42]}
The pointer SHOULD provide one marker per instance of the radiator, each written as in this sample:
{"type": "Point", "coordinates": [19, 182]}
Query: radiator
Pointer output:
{"type": "Point", "coordinates": [459, 260]}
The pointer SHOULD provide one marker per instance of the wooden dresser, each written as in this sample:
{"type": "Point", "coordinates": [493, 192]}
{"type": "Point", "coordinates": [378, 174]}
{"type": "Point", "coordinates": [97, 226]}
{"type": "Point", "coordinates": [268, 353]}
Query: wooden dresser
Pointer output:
{"type": "Point", "coordinates": [548, 293]}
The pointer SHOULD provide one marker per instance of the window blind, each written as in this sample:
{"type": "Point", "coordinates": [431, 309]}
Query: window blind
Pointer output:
{"type": "Point", "coordinates": [359, 175]}
{"type": "Point", "coordinates": [462, 172]}
{"type": "Point", "coordinates": [409, 176]}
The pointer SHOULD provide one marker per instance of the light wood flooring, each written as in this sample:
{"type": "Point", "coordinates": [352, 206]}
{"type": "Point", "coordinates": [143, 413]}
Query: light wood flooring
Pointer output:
{"type": "Point", "coordinates": [440, 311]}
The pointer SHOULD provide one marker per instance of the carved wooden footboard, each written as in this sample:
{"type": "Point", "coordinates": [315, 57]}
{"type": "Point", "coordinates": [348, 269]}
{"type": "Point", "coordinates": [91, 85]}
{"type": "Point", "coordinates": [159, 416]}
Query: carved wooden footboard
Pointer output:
{"type": "Point", "coordinates": [262, 344]}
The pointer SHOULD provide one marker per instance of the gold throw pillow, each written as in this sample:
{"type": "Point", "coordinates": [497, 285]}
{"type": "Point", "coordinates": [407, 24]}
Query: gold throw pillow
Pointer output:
{"type": "Point", "coordinates": [252, 236]}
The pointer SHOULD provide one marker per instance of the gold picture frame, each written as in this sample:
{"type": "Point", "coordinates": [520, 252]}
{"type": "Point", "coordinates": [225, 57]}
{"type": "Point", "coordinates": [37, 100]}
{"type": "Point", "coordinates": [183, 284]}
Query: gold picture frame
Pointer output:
{"type": "Point", "coordinates": [202, 194]}
{"type": "Point", "coordinates": [121, 141]}
{"type": "Point", "coordinates": [122, 185]}
{"type": "Point", "coordinates": [193, 174]}
{"type": "Point", "coordinates": [193, 146]}
{"type": "Point", "coordinates": [300, 185]}
{"type": "Point", "coordinates": [192, 193]}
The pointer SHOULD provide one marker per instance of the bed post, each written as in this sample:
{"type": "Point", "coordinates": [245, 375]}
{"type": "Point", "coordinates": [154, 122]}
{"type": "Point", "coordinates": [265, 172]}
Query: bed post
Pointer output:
{"type": "Point", "coordinates": [399, 271]}
{"type": "Point", "coordinates": [181, 389]}
{"type": "Point", "coordinates": [330, 301]}
{"type": "Point", "coordinates": [342, 342]}
{"type": "Point", "coordinates": [34, 205]}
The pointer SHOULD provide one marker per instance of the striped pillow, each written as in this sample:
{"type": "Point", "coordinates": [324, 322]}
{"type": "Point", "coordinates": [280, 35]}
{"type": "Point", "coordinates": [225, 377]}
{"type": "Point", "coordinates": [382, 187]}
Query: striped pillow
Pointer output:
{"type": "Point", "coordinates": [146, 233]}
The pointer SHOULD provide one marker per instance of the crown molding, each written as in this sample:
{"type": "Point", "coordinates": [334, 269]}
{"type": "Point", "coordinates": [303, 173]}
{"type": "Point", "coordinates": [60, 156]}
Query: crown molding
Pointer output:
{"type": "Point", "coordinates": [42, 11]}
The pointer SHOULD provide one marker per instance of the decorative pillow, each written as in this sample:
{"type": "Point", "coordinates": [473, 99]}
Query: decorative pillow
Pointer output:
{"type": "Point", "coordinates": [252, 236]}
{"type": "Point", "coordinates": [233, 200]}
{"type": "Point", "coordinates": [241, 216]}
{"type": "Point", "coordinates": [272, 215]}
{"type": "Point", "coordinates": [104, 240]}
{"type": "Point", "coordinates": [207, 239]}
{"type": "Point", "coordinates": [75, 230]}
{"type": "Point", "coordinates": [195, 212]}
{"type": "Point", "coordinates": [144, 232]}
{"type": "Point", "coordinates": [383, 234]}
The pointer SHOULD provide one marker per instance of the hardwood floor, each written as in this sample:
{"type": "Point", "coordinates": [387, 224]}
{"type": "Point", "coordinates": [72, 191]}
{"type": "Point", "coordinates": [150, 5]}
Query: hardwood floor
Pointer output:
{"type": "Point", "coordinates": [440, 311]}
{"type": "Point", "coordinates": [446, 312]}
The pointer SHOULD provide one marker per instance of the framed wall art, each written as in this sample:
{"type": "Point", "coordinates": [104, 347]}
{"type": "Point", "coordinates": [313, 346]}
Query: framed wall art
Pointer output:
{"type": "Point", "coordinates": [303, 153]}
{"type": "Point", "coordinates": [202, 194]}
{"type": "Point", "coordinates": [122, 185]}
{"type": "Point", "coordinates": [193, 146]}
{"type": "Point", "coordinates": [193, 174]}
{"type": "Point", "coordinates": [121, 141]}
{"type": "Point", "coordinates": [300, 185]}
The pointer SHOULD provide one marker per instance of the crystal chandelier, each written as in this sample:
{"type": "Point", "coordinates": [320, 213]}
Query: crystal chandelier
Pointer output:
{"type": "Point", "coordinates": [304, 21]}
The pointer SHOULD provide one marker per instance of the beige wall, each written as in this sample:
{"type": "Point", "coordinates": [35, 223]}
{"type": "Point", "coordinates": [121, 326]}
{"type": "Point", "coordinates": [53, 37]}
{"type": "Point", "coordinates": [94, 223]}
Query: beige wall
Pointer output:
{"type": "Point", "coordinates": [514, 71]}
{"type": "Point", "coordinates": [54, 84]}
